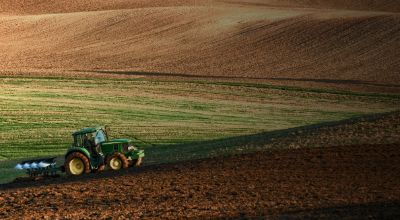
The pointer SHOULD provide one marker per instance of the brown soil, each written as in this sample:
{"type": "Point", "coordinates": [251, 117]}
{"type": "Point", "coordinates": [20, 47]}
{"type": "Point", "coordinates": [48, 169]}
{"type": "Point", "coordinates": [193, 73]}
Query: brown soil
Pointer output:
{"type": "Point", "coordinates": [335, 182]}
{"type": "Point", "coordinates": [291, 42]}
{"type": "Point", "coordinates": [57, 6]}
{"type": "Point", "coordinates": [369, 5]}
{"type": "Point", "coordinates": [371, 129]}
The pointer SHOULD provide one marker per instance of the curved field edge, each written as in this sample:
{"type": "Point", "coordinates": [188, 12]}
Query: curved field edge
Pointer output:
{"type": "Point", "coordinates": [383, 128]}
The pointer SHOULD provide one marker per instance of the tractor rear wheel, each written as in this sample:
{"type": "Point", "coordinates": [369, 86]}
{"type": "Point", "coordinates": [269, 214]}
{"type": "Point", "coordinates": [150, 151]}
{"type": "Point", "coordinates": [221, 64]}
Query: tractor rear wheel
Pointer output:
{"type": "Point", "coordinates": [117, 161]}
{"type": "Point", "coordinates": [77, 164]}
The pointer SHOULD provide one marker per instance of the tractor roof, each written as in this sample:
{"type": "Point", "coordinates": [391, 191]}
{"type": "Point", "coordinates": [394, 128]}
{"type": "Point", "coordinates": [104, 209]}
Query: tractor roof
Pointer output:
{"type": "Point", "coordinates": [88, 130]}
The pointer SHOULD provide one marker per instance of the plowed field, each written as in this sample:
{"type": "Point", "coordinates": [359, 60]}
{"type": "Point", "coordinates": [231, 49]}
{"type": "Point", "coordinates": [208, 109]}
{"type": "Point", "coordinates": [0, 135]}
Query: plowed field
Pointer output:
{"type": "Point", "coordinates": [296, 41]}
{"type": "Point", "coordinates": [165, 70]}
{"type": "Point", "coordinates": [337, 182]}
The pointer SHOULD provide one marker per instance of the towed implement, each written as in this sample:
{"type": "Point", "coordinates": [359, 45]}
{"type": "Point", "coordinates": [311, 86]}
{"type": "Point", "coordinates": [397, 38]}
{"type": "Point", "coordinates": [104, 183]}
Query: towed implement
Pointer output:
{"type": "Point", "coordinates": [39, 167]}
{"type": "Point", "coordinates": [91, 151]}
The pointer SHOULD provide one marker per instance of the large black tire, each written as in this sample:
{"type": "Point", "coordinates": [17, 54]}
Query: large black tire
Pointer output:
{"type": "Point", "coordinates": [117, 161]}
{"type": "Point", "coordinates": [76, 164]}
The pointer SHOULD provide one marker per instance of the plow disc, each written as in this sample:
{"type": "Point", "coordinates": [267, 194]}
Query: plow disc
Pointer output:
{"type": "Point", "coordinates": [39, 167]}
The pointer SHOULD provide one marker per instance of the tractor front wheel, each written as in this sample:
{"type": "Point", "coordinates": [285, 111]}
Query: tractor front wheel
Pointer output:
{"type": "Point", "coordinates": [77, 164]}
{"type": "Point", "coordinates": [117, 161]}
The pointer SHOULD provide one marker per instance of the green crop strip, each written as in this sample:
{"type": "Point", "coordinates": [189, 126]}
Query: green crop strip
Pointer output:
{"type": "Point", "coordinates": [38, 115]}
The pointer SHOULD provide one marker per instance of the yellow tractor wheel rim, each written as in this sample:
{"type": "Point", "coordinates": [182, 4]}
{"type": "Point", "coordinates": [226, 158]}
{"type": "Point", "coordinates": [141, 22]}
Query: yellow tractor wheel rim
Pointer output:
{"type": "Point", "coordinates": [115, 163]}
{"type": "Point", "coordinates": [76, 166]}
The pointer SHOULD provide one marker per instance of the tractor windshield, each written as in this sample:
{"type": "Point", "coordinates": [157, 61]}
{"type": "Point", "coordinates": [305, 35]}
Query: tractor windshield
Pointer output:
{"type": "Point", "coordinates": [99, 137]}
{"type": "Point", "coordinates": [96, 137]}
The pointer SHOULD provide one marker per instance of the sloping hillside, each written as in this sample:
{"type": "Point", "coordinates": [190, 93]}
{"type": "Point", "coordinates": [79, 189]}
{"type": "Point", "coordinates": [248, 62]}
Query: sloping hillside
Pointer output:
{"type": "Point", "coordinates": [207, 38]}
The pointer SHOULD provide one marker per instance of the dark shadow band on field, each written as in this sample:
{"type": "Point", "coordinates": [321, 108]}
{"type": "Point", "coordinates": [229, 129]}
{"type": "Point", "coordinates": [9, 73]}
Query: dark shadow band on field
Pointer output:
{"type": "Point", "coordinates": [160, 158]}
{"type": "Point", "coordinates": [161, 74]}
{"type": "Point", "coordinates": [242, 144]}
{"type": "Point", "coordinates": [224, 81]}
{"type": "Point", "coordinates": [188, 75]}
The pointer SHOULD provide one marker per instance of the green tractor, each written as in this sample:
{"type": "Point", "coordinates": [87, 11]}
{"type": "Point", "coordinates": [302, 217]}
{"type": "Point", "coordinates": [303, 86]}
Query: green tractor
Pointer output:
{"type": "Point", "coordinates": [92, 151]}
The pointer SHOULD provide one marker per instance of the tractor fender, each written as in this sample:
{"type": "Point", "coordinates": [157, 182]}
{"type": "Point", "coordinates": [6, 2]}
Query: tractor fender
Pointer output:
{"type": "Point", "coordinates": [78, 149]}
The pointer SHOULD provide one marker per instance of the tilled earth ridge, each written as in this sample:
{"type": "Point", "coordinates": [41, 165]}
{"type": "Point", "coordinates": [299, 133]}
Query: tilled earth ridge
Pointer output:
{"type": "Point", "coordinates": [238, 39]}
{"type": "Point", "coordinates": [360, 181]}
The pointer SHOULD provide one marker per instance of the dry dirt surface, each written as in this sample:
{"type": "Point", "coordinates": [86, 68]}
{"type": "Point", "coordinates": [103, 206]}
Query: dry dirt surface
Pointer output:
{"type": "Point", "coordinates": [295, 41]}
{"type": "Point", "coordinates": [347, 182]}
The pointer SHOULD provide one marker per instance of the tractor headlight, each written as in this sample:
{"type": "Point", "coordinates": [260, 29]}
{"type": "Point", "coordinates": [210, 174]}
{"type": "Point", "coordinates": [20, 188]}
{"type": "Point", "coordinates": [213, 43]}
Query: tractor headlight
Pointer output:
{"type": "Point", "coordinates": [131, 147]}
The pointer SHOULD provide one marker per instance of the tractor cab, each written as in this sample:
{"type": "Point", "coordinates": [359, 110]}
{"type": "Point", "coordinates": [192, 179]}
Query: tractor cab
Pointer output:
{"type": "Point", "coordinates": [94, 136]}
